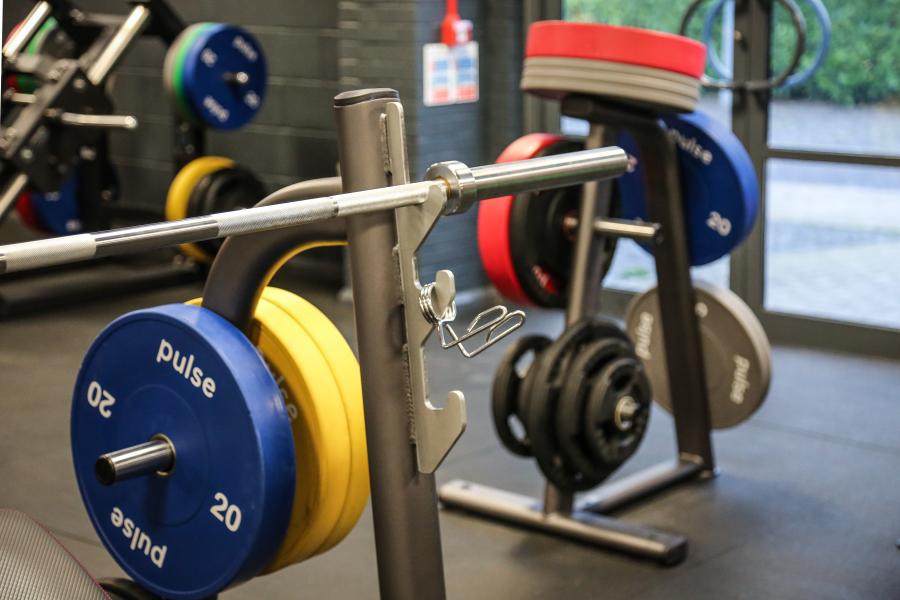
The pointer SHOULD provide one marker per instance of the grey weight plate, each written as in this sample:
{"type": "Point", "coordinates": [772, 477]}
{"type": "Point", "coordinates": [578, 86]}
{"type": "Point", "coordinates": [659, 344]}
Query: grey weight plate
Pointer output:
{"type": "Point", "coordinates": [555, 88]}
{"type": "Point", "coordinates": [621, 85]}
{"type": "Point", "coordinates": [550, 84]}
{"type": "Point", "coordinates": [736, 353]}
{"type": "Point", "coordinates": [744, 314]}
{"type": "Point", "coordinates": [579, 77]}
{"type": "Point", "coordinates": [587, 66]}
{"type": "Point", "coordinates": [583, 77]}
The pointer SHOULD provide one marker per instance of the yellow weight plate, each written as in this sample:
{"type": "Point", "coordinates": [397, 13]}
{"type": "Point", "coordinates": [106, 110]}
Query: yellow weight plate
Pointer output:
{"type": "Point", "coordinates": [345, 370]}
{"type": "Point", "coordinates": [321, 439]}
{"type": "Point", "coordinates": [180, 194]}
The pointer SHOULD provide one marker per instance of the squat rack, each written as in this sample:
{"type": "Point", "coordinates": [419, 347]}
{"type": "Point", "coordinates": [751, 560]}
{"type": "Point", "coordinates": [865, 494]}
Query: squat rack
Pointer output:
{"type": "Point", "coordinates": [408, 436]}
{"type": "Point", "coordinates": [587, 520]}
{"type": "Point", "coordinates": [100, 42]}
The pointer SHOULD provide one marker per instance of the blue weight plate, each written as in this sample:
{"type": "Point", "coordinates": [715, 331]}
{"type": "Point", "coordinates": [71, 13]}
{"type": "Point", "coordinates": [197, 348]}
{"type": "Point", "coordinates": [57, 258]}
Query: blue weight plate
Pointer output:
{"type": "Point", "coordinates": [218, 53]}
{"type": "Point", "coordinates": [220, 515]}
{"type": "Point", "coordinates": [59, 211]}
{"type": "Point", "coordinates": [718, 184]}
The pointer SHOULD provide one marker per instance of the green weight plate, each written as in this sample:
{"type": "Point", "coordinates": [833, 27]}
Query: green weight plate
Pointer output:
{"type": "Point", "coordinates": [736, 352]}
{"type": "Point", "coordinates": [45, 41]}
{"type": "Point", "coordinates": [173, 68]}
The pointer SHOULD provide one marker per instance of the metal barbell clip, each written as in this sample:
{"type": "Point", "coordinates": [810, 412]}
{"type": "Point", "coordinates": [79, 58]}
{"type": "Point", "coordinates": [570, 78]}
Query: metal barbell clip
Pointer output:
{"type": "Point", "coordinates": [438, 304]}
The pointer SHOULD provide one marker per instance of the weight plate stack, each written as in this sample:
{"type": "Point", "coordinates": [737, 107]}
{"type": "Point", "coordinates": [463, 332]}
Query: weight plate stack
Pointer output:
{"type": "Point", "coordinates": [736, 352]}
{"type": "Point", "coordinates": [278, 460]}
{"type": "Point", "coordinates": [604, 407]}
{"type": "Point", "coordinates": [319, 378]}
{"type": "Point", "coordinates": [524, 241]}
{"type": "Point", "coordinates": [175, 57]}
{"type": "Point", "coordinates": [217, 75]}
{"type": "Point", "coordinates": [718, 185]}
{"type": "Point", "coordinates": [541, 396]}
{"type": "Point", "coordinates": [639, 66]}
{"type": "Point", "coordinates": [218, 517]}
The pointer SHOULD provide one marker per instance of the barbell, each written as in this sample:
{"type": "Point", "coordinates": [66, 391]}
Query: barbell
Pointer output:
{"type": "Point", "coordinates": [457, 185]}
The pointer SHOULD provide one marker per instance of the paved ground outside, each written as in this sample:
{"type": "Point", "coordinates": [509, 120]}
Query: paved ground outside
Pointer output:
{"type": "Point", "coordinates": [833, 231]}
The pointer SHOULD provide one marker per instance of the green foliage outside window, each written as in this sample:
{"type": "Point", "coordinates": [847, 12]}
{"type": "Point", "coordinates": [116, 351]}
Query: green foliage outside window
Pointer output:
{"type": "Point", "coordinates": [863, 65]}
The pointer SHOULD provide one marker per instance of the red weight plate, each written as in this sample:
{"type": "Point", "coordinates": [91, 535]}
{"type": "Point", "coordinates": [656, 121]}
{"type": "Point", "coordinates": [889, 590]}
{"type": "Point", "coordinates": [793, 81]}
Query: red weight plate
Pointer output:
{"type": "Point", "coordinates": [493, 221]}
{"type": "Point", "coordinates": [27, 214]}
{"type": "Point", "coordinates": [613, 43]}
{"type": "Point", "coordinates": [10, 80]}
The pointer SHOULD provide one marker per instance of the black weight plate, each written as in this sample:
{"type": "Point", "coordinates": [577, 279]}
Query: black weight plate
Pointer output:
{"type": "Point", "coordinates": [228, 189]}
{"type": "Point", "coordinates": [237, 188]}
{"type": "Point", "coordinates": [613, 435]}
{"type": "Point", "coordinates": [195, 209]}
{"type": "Point", "coordinates": [540, 397]}
{"type": "Point", "coordinates": [505, 392]}
{"type": "Point", "coordinates": [541, 245]}
{"type": "Point", "coordinates": [583, 377]}
{"type": "Point", "coordinates": [196, 199]}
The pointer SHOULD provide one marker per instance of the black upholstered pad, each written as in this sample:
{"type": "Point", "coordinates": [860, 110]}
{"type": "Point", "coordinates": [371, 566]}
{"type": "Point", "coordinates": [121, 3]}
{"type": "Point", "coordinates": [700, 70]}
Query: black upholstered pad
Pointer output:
{"type": "Point", "coordinates": [34, 565]}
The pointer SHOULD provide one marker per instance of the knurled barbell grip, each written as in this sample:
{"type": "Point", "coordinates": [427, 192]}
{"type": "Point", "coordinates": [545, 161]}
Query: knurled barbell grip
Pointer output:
{"type": "Point", "coordinates": [460, 185]}
{"type": "Point", "coordinates": [470, 185]}
{"type": "Point", "coordinates": [112, 53]}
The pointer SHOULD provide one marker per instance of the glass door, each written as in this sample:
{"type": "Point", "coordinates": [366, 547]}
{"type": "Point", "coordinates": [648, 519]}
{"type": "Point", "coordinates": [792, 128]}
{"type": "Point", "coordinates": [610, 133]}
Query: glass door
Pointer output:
{"type": "Point", "coordinates": [822, 267]}
{"type": "Point", "coordinates": [833, 187]}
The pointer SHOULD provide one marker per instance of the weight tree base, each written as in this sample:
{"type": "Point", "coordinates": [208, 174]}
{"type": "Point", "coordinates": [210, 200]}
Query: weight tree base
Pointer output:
{"type": "Point", "coordinates": [584, 524]}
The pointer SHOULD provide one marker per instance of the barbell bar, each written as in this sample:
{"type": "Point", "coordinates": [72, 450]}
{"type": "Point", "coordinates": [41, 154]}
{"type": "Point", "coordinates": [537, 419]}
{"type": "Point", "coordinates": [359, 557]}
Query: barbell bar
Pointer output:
{"type": "Point", "coordinates": [459, 185]}
{"type": "Point", "coordinates": [154, 456]}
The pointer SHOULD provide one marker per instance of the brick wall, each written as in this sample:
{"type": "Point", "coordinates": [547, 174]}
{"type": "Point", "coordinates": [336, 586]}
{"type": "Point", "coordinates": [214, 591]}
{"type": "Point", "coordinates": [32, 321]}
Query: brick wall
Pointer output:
{"type": "Point", "coordinates": [315, 49]}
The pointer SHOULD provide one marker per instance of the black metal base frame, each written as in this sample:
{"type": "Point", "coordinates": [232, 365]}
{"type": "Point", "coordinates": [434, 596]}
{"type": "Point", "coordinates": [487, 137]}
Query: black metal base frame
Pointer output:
{"type": "Point", "coordinates": [586, 520]}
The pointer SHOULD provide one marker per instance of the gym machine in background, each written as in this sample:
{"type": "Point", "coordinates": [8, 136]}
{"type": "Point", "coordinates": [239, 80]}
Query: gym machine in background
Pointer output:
{"type": "Point", "coordinates": [581, 407]}
{"type": "Point", "coordinates": [194, 352]}
{"type": "Point", "coordinates": [55, 168]}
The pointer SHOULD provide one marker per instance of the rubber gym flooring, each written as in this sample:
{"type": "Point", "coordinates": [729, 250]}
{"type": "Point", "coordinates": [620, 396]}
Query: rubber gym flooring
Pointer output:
{"type": "Point", "coordinates": [807, 504]}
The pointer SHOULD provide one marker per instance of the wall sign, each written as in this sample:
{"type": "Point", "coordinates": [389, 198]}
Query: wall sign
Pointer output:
{"type": "Point", "coordinates": [450, 74]}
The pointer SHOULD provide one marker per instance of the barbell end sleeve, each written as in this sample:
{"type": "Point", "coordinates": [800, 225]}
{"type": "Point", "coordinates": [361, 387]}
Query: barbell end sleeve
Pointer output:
{"type": "Point", "coordinates": [16, 42]}
{"type": "Point", "coordinates": [461, 189]}
{"type": "Point", "coordinates": [110, 56]}
{"type": "Point", "coordinates": [155, 456]}
{"type": "Point", "coordinates": [548, 172]}
{"type": "Point", "coordinates": [469, 185]}
{"type": "Point", "coordinates": [624, 228]}
{"type": "Point", "coordinates": [126, 122]}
